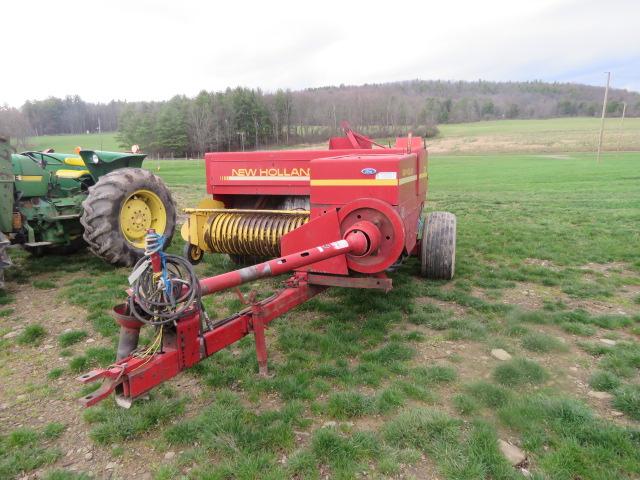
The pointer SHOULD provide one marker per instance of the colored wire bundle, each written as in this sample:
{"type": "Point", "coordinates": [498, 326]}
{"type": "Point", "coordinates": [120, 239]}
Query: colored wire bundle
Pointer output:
{"type": "Point", "coordinates": [158, 299]}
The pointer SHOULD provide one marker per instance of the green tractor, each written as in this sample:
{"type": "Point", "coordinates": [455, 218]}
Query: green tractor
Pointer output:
{"type": "Point", "coordinates": [52, 202]}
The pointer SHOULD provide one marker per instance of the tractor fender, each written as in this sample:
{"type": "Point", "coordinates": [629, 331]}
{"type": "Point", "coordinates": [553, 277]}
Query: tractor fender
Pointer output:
{"type": "Point", "coordinates": [100, 163]}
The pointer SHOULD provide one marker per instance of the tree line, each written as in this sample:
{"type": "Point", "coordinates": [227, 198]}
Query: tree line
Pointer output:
{"type": "Point", "coordinates": [243, 118]}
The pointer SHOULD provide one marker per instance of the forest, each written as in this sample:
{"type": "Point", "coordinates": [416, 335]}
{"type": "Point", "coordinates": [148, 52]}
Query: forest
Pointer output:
{"type": "Point", "coordinates": [244, 118]}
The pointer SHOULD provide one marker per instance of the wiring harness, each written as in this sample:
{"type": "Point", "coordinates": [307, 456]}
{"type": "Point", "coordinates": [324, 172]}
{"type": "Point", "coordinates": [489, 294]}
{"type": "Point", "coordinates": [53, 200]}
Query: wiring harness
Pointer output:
{"type": "Point", "coordinates": [161, 298]}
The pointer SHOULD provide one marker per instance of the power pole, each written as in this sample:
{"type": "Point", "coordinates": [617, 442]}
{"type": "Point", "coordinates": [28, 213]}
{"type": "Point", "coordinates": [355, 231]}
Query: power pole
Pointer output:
{"type": "Point", "coordinates": [604, 110]}
{"type": "Point", "coordinates": [624, 110]}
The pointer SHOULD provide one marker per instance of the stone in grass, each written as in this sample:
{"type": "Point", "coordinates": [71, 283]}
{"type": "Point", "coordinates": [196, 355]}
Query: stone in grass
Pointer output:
{"type": "Point", "coordinates": [169, 455]}
{"type": "Point", "coordinates": [600, 395]}
{"type": "Point", "coordinates": [500, 354]}
{"type": "Point", "coordinates": [606, 341]}
{"type": "Point", "coordinates": [513, 454]}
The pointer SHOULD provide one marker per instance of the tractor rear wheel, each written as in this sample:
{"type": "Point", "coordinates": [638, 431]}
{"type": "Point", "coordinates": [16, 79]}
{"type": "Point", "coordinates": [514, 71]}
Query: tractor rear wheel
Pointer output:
{"type": "Point", "coordinates": [119, 210]}
{"type": "Point", "coordinates": [438, 247]}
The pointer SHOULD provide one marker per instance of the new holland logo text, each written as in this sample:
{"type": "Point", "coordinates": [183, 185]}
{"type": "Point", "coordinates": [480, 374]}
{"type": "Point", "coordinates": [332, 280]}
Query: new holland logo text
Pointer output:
{"type": "Point", "coordinates": [268, 174]}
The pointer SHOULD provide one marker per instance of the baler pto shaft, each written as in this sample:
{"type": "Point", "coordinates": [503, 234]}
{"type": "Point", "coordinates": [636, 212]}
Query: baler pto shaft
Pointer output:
{"type": "Point", "coordinates": [356, 242]}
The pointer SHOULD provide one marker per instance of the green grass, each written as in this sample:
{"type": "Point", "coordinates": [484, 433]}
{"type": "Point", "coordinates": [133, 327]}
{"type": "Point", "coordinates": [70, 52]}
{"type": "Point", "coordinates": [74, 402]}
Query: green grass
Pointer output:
{"type": "Point", "coordinates": [113, 424]}
{"type": "Point", "coordinates": [604, 381]}
{"type": "Point", "coordinates": [458, 452]}
{"type": "Point", "coordinates": [488, 394]}
{"type": "Point", "coordinates": [67, 339]}
{"type": "Point", "coordinates": [55, 373]}
{"type": "Point", "coordinates": [68, 143]}
{"type": "Point", "coordinates": [32, 335]}
{"type": "Point", "coordinates": [542, 343]}
{"type": "Point", "coordinates": [519, 371]}
{"type": "Point", "coordinates": [395, 361]}
{"type": "Point", "coordinates": [44, 284]}
{"type": "Point", "coordinates": [584, 446]}
{"type": "Point", "coordinates": [24, 449]}
{"type": "Point", "coordinates": [627, 400]}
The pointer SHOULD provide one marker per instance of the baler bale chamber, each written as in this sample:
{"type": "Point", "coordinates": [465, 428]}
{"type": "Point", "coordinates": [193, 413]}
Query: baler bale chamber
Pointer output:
{"type": "Point", "coordinates": [339, 217]}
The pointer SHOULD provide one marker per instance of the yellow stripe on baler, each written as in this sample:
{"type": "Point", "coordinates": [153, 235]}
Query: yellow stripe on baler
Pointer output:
{"type": "Point", "coordinates": [353, 182]}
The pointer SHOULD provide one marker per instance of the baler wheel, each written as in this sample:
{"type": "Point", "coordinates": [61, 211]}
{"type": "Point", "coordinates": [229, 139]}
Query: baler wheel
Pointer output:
{"type": "Point", "coordinates": [120, 208]}
{"type": "Point", "coordinates": [438, 247]}
{"type": "Point", "coordinates": [193, 253]}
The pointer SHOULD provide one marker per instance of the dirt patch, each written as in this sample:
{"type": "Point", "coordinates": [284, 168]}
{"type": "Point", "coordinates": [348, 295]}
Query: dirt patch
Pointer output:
{"type": "Point", "coordinates": [458, 310]}
{"type": "Point", "coordinates": [532, 296]}
{"type": "Point", "coordinates": [29, 399]}
{"type": "Point", "coordinates": [541, 263]}
{"type": "Point", "coordinates": [607, 268]}
{"type": "Point", "coordinates": [526, 295]}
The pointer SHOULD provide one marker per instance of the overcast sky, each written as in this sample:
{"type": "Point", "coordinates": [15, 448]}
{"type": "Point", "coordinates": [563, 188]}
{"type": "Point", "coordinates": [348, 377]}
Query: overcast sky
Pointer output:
{"type": "Point", "coordinates": [154, 49]}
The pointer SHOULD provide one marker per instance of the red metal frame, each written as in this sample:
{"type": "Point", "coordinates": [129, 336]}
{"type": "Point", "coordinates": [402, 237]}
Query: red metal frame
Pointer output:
{"type": "Point", "coordinates": [186, 345]}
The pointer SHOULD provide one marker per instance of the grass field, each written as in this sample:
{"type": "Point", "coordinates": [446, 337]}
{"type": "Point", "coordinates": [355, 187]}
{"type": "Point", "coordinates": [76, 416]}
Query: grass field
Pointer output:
{"type": "Point", "coordinates": [535, 136]}
{"type": "Point", "coordinates": [67, 143]}
{"type": "Point", "coordinates": [575, 134]}
{"type": "Point", "coordinates": [403, 385]}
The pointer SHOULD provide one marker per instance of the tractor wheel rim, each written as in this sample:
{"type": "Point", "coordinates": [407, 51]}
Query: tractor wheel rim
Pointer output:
{"type": "Point", "coordinates": [142, 210]}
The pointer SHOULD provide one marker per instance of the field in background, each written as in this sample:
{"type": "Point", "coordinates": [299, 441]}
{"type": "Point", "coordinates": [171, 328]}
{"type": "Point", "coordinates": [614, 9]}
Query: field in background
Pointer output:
{"type": "Point", "coordinates": [68, 143]}
{"type": "Point", "coordinates": [530, 136]}
{"type": "Point", "coordinates": [517, 136]}
{"type": "Point", "coordinates": [403, 385]}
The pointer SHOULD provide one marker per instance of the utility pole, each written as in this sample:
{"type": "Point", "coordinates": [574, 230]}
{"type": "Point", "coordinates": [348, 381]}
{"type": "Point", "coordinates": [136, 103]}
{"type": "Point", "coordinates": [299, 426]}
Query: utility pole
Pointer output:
{"type": "Point", "coordinates": [604, 110]}
{"type": "Point", "coordinates": [624, 110]}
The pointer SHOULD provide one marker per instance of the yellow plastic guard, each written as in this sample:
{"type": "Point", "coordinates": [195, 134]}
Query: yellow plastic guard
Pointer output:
{"type": "Point", "coordinates": [71, 173]}
{"type": "Point", "coordinates": [74, 161]}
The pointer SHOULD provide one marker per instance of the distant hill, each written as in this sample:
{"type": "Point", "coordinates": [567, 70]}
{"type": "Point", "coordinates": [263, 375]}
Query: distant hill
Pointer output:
{"type": "Point", "coordinates": [460, 101]}
{"type": "Point", "coordinates": [251, 118]}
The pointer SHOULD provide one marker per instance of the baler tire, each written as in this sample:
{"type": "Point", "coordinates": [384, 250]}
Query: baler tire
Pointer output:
{"type": "Point", "coordinates": [101, 214]}
{"type": "Point", "coordinates": [438, 247]}
{"type": "Point", "coordinates": [190, 252]}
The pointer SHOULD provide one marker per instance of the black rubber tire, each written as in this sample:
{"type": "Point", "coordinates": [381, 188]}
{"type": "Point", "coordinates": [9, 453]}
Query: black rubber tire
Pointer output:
{"type": "Point", "coordinates": [189, 251]}
{"type": "Point", "coordinates": [101, 213]}
{"type": "Point", "coordinates": [438, 247]}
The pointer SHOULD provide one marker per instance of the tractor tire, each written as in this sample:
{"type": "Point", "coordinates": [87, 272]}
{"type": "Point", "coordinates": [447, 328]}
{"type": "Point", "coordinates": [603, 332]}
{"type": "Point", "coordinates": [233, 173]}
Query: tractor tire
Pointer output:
{"type": "Point", "coordinates": [438, 247]}
{"type": "Point", "coordinates": [119, 209]}
{"type": "Point", "coordinates": [73, 246]}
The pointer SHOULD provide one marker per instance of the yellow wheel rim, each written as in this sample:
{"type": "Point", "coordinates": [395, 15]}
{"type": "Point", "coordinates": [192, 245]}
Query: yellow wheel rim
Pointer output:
{"type": "Point", "coordinates": [140, 211]}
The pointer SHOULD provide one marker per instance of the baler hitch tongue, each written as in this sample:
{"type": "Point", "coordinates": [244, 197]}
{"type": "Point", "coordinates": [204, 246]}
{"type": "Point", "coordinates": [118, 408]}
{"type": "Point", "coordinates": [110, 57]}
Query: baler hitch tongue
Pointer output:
{"type": "Point", "coordinates": [112, 378]}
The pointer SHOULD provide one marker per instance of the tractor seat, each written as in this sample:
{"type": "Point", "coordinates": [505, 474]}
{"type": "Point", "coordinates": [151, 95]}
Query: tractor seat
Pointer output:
{"type": "Point", "coordinates": [74, 161]}
{"type": "Point", "coordinates": [72, 174]}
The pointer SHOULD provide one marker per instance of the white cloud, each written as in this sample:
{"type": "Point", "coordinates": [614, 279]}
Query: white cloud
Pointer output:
{"type": "Point", "coordinates": [146, 50]}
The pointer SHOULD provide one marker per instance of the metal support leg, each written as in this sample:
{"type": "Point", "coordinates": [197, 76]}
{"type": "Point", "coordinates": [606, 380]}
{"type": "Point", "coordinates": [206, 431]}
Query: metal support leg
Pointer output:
{"type": "Point", "coordinates": [261, 345]}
